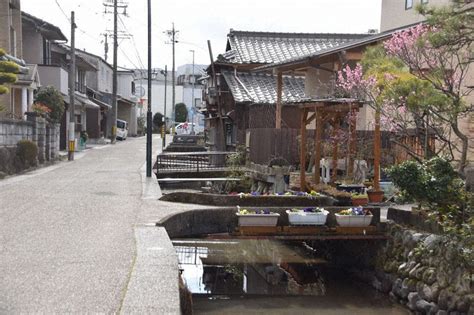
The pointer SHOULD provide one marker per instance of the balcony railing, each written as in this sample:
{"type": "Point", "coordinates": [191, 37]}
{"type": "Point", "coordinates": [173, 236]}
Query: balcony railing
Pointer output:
{"type": "Point", "coordinates": [81, 88]}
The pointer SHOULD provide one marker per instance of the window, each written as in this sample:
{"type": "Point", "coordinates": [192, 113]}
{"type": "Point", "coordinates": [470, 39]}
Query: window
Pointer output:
{"type": "Point", "coordinates": [424, 1]}
{"type": "Point", "coordinates": [408, 4]}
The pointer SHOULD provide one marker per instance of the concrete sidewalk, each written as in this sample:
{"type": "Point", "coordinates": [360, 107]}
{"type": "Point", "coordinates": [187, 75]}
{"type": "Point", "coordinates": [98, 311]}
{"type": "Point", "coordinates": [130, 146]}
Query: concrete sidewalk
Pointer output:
{"type": "Point", "coordinates": [79, 237]}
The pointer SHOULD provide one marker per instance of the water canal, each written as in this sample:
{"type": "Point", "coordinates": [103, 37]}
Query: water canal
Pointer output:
{"type": "Point", "coordinates": [272, 277]}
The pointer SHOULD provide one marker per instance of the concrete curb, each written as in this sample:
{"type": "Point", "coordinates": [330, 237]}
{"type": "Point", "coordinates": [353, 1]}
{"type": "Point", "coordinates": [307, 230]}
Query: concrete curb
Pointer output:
{"type": "Point", "coordinates": [153, 285]}
{"type": "Point", "coordinates": [153, 282]}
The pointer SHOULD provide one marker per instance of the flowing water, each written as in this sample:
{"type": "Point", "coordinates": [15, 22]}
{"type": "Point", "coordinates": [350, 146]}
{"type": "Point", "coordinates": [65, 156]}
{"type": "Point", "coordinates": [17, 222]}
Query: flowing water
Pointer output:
{"type": "Point", "coordinates": [271, 277]}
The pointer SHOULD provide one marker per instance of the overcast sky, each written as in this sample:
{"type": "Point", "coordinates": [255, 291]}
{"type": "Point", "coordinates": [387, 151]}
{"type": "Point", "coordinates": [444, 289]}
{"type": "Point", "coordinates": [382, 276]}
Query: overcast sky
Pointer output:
{"type": "Point", "coordinates": [199, 21]}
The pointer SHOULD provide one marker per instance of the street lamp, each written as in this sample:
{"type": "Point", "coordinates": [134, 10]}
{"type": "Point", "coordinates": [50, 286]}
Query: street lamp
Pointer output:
{"type": "Point", "coordinates": [192, 98]}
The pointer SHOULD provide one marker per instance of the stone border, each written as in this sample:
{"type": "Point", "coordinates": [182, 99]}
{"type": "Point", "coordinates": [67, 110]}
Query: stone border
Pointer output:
{"type": "Point", "coordinates": [248, 201]}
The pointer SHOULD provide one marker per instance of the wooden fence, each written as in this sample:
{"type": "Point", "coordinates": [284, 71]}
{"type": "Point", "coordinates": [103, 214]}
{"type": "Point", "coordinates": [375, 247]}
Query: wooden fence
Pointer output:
{"type": "Point", "coordinates": [269, 143]}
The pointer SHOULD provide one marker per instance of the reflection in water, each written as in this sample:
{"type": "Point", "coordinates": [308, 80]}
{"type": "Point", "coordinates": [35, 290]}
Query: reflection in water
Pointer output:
{"type": "Point", "coordinates": [263, 276]}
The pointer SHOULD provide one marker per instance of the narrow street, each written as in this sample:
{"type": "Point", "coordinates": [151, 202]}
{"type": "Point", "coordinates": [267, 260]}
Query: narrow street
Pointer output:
{"type": "Point", "coordinates": [68, 233]}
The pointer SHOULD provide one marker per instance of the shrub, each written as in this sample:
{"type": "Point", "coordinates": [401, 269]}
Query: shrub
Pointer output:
{"type": "Point", "coordinates": [27, 152]}
{"type": "Point", "coordinates": [436, 184]}
{"type": "Point", "coordinates": [52, 98]}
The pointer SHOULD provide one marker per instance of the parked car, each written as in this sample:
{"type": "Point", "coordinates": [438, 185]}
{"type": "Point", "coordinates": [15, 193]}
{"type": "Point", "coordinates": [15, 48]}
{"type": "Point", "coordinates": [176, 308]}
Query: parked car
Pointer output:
{"type": "Point", "coordinates": [187, 128]}
{"type": "Point", "coordinates": [122, 129]}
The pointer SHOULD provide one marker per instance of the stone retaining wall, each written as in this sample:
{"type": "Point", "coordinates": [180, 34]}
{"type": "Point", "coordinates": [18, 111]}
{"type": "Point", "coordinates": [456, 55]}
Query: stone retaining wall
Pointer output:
{"type": "Point", "coordinates": [425, 272]}
{"type": "Point", "coordinates": [12, 131]}
{"type": "Point", "coordinates": [36, 129]}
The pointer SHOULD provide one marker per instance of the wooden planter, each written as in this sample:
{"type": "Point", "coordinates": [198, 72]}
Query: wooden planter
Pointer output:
{"type": "Point", "coordinates": [375, 196]}
{"type": "Point", "coordinates": [258, 219]}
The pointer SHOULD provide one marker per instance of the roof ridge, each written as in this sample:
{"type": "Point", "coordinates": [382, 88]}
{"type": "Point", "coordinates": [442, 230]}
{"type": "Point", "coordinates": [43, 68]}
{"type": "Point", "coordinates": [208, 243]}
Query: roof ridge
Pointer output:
{"type": "Point", "coordinates": [293, 34]}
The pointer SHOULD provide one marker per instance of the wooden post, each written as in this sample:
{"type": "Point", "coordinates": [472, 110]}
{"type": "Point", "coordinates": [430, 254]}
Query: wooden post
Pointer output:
{"type": "Point", "coordinates": [334, 152]}
{"type": "Point", "coordinates": [278, 103]}
{"type": "Point", "coordinates": [377, 150]}
{"type": "Point", "coordinates": [303, 151]}
{"type": "Point", "coordinates": [352, 141]}
{"type": "Point", "coordinates": [317, 146]}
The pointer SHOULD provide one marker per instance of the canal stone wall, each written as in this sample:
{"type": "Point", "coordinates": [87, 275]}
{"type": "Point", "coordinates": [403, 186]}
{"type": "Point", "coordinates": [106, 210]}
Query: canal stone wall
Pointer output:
{"type": "Point", "coordinates": [426, 272]}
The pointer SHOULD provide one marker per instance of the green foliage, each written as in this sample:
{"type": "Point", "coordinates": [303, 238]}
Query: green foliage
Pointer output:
{"type": "Point", "coordinates": [52, 98]}
{"type": "Point", "coordinates": [7, 74]}
{"type": "Point", "coordinates": [6, 77]}
{"type": "Point", "coordinates": [236, 163]}
{"type": "Point", "coordinates": [158, 121]}
{"type": "Point", "coordinates": [181, 112]}
{"type": "Point", "coordinates": [27, 152]}
{"type": "Point", "coordinates": [9, 67]}
{"type": "Point", "coordinates": [434, 183]}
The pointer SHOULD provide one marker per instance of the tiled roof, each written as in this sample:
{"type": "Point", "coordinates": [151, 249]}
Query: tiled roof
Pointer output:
{"type": "Point", "coordinates": [261, 88]}
{"type": "Point", "coordinates": [267, 47]}
{"type": "Point", "coordinates": [368, 39]}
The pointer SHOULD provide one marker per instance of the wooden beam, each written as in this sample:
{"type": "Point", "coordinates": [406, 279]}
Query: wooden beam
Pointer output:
{"type": "Point", "coordinates": [334, 152]}
{"type": "Point", "coordinates": [352, 142]}
{"type": "Point", "coordinates": [317, 146]}
{"type": "Point", "coordinates": [377, 150]}
{"type": "Point", "coordinates": [303, 151]}
{"type": "Point", "coordinates": [278, 104]}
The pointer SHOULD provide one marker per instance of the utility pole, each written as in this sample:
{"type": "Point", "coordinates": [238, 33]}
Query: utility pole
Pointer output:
{"type": "Point", "coordinates": [165, 73]}
{"type": "Point", "coordinates": [113, 116]}
{"type": "Point", "coordinates": [149, 114]}
{"type": "Point", "coordinates": [72, 88]}
{"type": "Point", "coordinates": [172, 33]}
{"type": "Point", "coordinates": [106, 47]}
{"type": "Point", "coordinates": [192, 98]}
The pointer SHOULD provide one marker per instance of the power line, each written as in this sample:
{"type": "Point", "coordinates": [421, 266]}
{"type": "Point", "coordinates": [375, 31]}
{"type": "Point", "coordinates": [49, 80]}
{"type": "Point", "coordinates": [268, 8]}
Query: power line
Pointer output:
{"type": "Point", "coordinates": [64, 13]}
{"type": "Point", "coordinates": [134, 44]}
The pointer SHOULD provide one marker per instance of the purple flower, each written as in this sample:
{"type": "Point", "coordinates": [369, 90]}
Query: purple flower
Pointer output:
{"type": "Point", "coordinates": [309, 209]}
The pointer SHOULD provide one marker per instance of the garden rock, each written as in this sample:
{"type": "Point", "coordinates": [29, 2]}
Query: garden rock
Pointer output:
{"type": "Point", "coordinates": [413, 298]}
{"type": "Point", "coordinates": [424, 306]}
{"type": "Point", "coordinates": [432, 242]}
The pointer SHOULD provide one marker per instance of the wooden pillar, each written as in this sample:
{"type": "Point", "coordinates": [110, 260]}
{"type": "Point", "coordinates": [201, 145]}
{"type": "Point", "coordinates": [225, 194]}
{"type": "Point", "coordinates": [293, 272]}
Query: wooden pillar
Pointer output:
{"type": "Point", "coordinates": [278, 103]}
{"type": "Point", "coordinates": [334, 151]}
{"type": "Point", "coordinates": [303, 151]}
{"type": "Point", "coordinates": [352, 141]}
{"type": "Point", "coordinates": [317, 146]}
{"type": "Point", "coordinates": [377, 150]}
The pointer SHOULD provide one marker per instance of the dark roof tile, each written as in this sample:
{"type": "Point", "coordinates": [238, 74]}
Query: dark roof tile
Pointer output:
{"type": "Point", "coordinates": [261, 88]}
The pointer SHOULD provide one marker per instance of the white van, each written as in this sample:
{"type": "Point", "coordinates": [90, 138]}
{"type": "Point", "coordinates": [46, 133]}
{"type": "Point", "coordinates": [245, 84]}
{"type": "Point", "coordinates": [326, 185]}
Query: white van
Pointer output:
{"type": "Point", "coordinates": [122, 129]}
{"type": "Point", "coordinates": [186, 129]}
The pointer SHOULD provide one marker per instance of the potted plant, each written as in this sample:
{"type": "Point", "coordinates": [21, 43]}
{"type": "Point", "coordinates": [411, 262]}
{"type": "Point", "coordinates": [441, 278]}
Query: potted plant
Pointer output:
{"type": "Point", "coordinates": [359, 199]}
{"type": "Point", "coordinates": [257, 217]}
{"type": "Point", "coordinates": [354, 217]}
{"type": "Point", "coordinates": [307, 216]}
{"type": "Point", "coordinates": [375, 196]}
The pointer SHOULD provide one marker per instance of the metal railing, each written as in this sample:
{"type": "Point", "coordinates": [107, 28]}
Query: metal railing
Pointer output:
{"type": "Point", "coordinates": [170, 162]}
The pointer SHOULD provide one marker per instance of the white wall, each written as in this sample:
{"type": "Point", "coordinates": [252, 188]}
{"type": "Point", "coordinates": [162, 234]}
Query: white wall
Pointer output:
{"type": "Point", "coordinates": [395, 15]}
{"type": "Point", "coordinates": [55, 76]}
{"type": "Point", "coordinates": [158, 95]}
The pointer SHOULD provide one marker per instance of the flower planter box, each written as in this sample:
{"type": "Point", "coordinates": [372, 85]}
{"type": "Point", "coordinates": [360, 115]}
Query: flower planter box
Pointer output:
{"type": "Point", "coordinates": [258, 219]}
{"type": "Point", "coordinates": [354, 220]}
{"type": "Point", "coordinates": [307, 218]}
